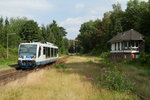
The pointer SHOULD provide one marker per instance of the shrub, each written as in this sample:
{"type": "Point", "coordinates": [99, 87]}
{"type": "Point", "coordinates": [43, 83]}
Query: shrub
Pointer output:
{"type": "Point", "coordinates": [105, 56]}
{"type": "Point", "coordinates": [60, 66]}
{"type": "Point", "coordinates": [95, 52]}
{"type": "Point", "coordinates": [116, 80]}
{"type": "Point", "coordinates": [144, 59]}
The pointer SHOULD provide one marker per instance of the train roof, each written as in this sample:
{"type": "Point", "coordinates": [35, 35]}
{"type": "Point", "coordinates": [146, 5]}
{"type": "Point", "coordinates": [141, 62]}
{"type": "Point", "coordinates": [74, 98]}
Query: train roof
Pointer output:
{"type": "Point", "coordinates": [42, 43]}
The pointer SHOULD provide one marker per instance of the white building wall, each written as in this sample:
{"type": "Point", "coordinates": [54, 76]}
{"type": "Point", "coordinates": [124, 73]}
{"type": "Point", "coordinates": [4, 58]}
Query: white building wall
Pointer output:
{"type": "Point", "coordinates": [113, 47]}
{"type": "Point", "coordinates": [120, 46]}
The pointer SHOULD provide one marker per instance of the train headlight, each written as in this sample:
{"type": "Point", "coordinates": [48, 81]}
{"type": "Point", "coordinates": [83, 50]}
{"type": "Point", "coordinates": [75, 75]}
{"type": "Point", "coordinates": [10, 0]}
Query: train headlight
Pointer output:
{"type": "Point", "coordinates": [20, 57]}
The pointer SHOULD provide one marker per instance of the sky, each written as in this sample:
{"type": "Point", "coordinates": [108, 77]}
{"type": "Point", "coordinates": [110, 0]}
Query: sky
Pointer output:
{"type": "Point", "coordinates": [69, 14]}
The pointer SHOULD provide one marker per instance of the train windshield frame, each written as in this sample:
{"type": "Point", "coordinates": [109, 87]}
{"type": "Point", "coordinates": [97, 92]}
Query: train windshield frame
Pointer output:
{"type": "Point", "coordinates": [27, 50]}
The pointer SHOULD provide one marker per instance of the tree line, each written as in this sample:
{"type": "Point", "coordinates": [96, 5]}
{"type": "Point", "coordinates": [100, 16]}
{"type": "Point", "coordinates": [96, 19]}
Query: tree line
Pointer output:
{"type": "Point", "coordinates": [30, 31]}
{"type": "Point", "coordinates": [94, 35]}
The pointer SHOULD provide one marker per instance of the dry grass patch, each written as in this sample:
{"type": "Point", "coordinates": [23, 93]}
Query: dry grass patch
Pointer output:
{"type": "Point", "coordinates": [62, 84]}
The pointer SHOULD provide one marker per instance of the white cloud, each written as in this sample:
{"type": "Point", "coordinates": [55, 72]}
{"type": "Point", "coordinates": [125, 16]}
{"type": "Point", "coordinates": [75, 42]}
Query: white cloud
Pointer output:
{"type": "Point", "coordinates": [72, 25]}
{"type": "Point", "coordinates": [15, 8]}
{"type": "Point", "coordinates": [98, 10]}
{"type": "Point", "coordinates": [80, 6]}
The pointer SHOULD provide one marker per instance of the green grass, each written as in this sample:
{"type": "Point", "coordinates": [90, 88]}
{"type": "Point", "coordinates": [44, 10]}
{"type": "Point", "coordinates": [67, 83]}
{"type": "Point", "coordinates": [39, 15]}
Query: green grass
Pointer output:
{"type": "Point", "coordinates": [135, 72]}
{"type": "Point", "coordinates": [141, 77]}
{"type": "Point", "coordinates": [70, 83]}
{"type": "Point", "coordinates": [145, 67]}
{"type": "Point", "coordinates": [6, 63]}
{"type": "Point", "coordinates": [66, 83]}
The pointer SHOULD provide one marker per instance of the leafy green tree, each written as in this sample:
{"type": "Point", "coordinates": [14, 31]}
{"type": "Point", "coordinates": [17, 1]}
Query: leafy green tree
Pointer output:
{"type": "Point", "coordinates": [1, 29]}
{"type": "Point", "coordinates": [16, 25]}
{"type": "Point", "coordinates": [30, 31]}
{"type": "Point", "coordinates": [66, 44]}
{"type": "Point", "coordinates": [63, 31]}
{"type": "Point", "coordinates": [6, 30]}
{"type": "Point", "coordinates": [57, 34]}
{"type": "Point", "coordinates": [115, 25]}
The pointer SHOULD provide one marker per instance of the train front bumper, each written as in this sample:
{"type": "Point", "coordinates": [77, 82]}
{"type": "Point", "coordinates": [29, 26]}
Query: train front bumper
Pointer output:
{"type": "Point", "coordinates": [26, 63]}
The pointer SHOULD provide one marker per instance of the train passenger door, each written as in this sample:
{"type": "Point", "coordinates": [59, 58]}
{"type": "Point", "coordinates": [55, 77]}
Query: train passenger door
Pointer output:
{"type": "Point", "coordinates": [44, 52]}
{"type": "Point", "coordinates": [39, 52]}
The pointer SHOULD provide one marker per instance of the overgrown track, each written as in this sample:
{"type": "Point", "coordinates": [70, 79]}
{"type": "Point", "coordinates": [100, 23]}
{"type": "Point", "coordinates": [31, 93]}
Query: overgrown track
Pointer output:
{"type": "Point", "coordinates": [6, 78]}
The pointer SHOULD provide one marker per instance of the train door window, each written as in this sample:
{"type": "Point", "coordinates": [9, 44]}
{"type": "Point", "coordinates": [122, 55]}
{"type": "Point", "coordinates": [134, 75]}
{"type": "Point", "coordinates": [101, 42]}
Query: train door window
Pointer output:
{"type": "Point", "coordinates": [39, 53]}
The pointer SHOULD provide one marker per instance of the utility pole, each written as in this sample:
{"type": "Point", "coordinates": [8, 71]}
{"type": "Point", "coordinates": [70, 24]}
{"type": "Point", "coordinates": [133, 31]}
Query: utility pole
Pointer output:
{"type": "Point", "coordinates": [7, 41]}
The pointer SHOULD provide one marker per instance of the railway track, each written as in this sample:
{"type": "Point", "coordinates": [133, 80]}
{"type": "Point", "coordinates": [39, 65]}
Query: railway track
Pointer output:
{"type": "Point", "coordinates": [6, 78]}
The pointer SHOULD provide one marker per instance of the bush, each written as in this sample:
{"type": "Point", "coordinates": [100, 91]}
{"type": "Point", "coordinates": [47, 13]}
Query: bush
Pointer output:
{"type": "Point", "coordinates": [95, 52]}
{"type": "Point", "coordinates": [105, 56]}
{"type": "Point", "coordinates": [116, 80]}
{"type": "Point", "coordinates": [60, 66]}
{"type": "Point", "coordinates": [144, 59]}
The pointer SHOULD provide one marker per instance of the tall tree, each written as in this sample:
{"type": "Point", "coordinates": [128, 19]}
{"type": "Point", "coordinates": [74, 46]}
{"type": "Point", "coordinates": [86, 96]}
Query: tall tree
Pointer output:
{"type": "Point", "coordinates": [1, 29]}
{"type": "Point", "coordinates": [30, 31]}
{"type": "Point", "coordinates": [57, 34]}
{"type": "Point", "coordinates": [5, 32]}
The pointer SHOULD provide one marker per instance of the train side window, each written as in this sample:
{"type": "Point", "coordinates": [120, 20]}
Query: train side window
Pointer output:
{"type": "Point", "coordinates": [44, 51]}
{"type": "Point", "coordinates": [39, 53]}
{"type": "Point", "coordinates": [51, 52]}
{"type": "Point", "coordinates": [55, 52]}
{"type": "Point", "coordinates": [48, 52]}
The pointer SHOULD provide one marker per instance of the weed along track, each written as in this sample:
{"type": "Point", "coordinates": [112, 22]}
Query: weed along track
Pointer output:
{"type": "Point", "coordinates": [11, 76]}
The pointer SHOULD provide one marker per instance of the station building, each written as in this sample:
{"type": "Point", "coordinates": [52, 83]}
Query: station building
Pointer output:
{"type": "Point", "coordinates": [126, 45]}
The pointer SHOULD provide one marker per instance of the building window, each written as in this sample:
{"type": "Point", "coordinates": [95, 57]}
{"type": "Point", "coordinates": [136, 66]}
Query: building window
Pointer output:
{"type": "Point", "coordinates": [125, 44]}
{"type": "Point", "coordinates": [122, 45]}
{"type": "Point", "coordinates": [132, 44]}
{"type": "Point", "coordinates": [129, 45]}
{"type": "Point", "coordinates": [115, 46]}
{"type": "Point", "coordinates": [118, 46]}
{"type": "Point", "coordinates": [137, 44]}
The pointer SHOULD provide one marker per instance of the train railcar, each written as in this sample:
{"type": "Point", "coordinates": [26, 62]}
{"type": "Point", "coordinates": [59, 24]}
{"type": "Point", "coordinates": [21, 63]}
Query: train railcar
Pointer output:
{"type": "Point", "coordinates": [34, 54]}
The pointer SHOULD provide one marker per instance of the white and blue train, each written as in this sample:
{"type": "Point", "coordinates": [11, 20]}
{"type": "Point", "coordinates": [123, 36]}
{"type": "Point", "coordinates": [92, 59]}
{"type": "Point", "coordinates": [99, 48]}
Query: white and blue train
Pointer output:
{"type": "Point", "coordinates": [36, 53]}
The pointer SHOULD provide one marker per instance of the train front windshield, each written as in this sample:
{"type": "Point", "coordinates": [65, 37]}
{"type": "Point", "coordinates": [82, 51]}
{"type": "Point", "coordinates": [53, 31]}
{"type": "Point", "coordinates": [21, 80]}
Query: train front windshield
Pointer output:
{"type": "Point", "coordinates": [27, 50]}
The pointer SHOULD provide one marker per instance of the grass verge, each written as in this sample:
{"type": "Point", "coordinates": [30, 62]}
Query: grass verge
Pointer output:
{"type": "Point", "coordinates": [78, 81]}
